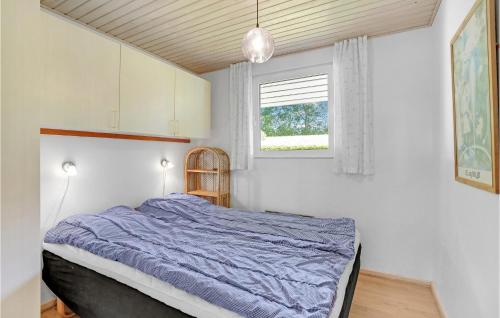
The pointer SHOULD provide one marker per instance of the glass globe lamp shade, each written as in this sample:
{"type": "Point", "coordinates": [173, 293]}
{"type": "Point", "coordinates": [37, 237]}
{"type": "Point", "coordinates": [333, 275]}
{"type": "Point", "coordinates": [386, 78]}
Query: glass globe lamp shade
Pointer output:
{"type": "Point", "coordinates": [258, 45]}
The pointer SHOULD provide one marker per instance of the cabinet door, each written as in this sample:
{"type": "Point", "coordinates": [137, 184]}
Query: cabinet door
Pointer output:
{"type": "Point", "coordinates": [192, 105]}
{"type": "Point", "coordinates": [81, 73]}
{"type": "Point", "coordinates": [147, 88]}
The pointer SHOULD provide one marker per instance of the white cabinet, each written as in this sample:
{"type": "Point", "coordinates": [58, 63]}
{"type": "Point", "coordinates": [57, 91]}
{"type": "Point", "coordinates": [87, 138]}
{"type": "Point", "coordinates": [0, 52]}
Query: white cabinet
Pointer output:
{"type": "Point", "coordinates": [147, 88]}
{"type": "Point", "coordinates": [192, 105]}
{"type": "Point", "coordinates": [93, 83]}
{"type": "Point", "coordinates": [81, 70]}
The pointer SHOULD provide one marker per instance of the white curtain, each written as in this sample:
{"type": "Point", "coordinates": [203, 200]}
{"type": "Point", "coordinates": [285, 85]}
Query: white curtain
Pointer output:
{"type": "Point", "coordinates": [352, 109]}
{"type": "Point", "coordinates": [240, 103]}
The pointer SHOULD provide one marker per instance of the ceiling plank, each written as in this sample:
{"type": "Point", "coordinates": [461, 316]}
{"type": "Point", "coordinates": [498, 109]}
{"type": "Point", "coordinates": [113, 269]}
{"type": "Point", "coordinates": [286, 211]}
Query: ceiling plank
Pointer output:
{"type": "Point", "coordinates": [135, 24]}
{"type": "Point", "coordinates": [209, 67]}
{"type": "Point", "coordinates": [133, 17]}
{"type": "Point", "coordinates": [346, 24]}
{"type": "Point", "coordinates": [86, 8]}
{"type": "Point", "coordinates": [204, 35]}
{"type": "Point", "coordinates": [308, 41]}
{"type": "Point", "coordinates": [240, 17]}
{"type": "Point", "coordinates": [119, 12]}
{"type": "Point", "coordinates": [306, 21]}
{"type": "Point", "coordinates": [107, 8]}
{"type": "Point", "coordinates": [177, 9]}
{"type": "Point", "coordinates": [69, 5]}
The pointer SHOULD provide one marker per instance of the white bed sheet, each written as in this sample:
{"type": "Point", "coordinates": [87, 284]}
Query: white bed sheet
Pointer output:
{"type": "Point", "coordinates": [166, 293]}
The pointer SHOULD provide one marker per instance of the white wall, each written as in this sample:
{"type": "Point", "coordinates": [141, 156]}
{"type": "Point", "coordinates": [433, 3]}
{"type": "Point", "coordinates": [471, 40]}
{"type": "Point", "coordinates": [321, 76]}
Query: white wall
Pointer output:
{"type": "Point", "coordinates": [467, 255]}
{"type": "Point", "coordinates": [110, 172]}
{"type": "Point", "coordinates": [20, 252]}
{"type": "Point", "coordinates": [395, 209]}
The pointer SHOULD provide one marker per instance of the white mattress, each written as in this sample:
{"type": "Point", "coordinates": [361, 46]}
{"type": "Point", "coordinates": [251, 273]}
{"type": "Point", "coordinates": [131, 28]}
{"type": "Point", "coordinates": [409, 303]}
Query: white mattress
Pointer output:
{"type": "Point", "coordinates": [166, 293]}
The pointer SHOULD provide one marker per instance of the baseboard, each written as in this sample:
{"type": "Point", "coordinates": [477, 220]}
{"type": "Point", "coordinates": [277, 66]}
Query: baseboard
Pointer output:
{"type": "Point", "coordinates": [48, 305]}
{"type": "Point", "coordinates": [372, 273]}
{"type": "Point", "coordinates": [440, 306]}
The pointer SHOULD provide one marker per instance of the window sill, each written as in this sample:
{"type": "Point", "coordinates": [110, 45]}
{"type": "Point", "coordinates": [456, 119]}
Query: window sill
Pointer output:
{"type": "Point", "coordinates": [293, 155]}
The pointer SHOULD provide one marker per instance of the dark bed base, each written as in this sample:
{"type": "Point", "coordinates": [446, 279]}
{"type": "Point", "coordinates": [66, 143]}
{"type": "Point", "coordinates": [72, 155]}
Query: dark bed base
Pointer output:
{"type": "Point", "coordinates": [92, 295]}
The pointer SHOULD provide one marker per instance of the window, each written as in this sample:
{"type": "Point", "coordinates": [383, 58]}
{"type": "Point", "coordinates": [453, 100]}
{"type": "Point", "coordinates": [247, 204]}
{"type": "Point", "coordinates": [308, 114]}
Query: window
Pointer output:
{"type": "Point", "coordinates": [293, 116]}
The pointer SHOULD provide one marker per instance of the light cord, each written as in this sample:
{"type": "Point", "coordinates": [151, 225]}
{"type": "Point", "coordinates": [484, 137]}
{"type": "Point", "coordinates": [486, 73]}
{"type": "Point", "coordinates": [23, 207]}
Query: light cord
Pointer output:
{"type": "Point", "coordinates": [59, 209]}
{"type": "Point", "coordinates": [257, 13]}
{"type": "Point", "coordinates": [164, 180]}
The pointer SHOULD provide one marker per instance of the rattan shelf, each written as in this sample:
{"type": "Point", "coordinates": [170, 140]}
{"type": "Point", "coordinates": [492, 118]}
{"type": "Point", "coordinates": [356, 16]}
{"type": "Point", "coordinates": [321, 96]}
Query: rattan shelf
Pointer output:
{"type": "Point", "coordinates": [207, 175]}
{"type": "Point", "coordinates": [202, 171]}
{"type": "Point", "coordinates": [203, 193]}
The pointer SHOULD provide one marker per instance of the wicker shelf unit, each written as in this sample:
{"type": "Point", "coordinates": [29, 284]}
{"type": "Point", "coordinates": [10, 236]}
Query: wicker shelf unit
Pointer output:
{"type": "Point", "coordinates": [207, 175]}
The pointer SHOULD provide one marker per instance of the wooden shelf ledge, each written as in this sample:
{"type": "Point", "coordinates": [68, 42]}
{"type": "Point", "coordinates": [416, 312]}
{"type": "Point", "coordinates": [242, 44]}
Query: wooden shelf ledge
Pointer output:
{"type": "Point", "coordinates": [204, 193]}
{"type": "Point", "coordinates": [202, 171]}
{"type": "Point", "coordinates": [92, 134]}
{"type": "Point", "coordinates": [206, 171]}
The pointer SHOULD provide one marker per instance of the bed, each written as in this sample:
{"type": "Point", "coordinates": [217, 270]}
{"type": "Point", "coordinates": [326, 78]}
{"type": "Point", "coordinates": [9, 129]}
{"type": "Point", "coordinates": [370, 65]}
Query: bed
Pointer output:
{"type": "Point", "coordinates": [95, 274]}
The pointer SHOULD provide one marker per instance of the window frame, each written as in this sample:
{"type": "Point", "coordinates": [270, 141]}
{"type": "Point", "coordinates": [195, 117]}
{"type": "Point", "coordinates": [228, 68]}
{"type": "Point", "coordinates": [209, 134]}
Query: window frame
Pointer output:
{"type": "Point", "coordinates": [325, 69]}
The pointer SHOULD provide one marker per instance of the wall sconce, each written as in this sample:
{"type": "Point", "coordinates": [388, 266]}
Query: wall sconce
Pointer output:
{"type": "Point", "coordinates": [69, 168]}
{"type": "Point", "coordinates": [165, 163]}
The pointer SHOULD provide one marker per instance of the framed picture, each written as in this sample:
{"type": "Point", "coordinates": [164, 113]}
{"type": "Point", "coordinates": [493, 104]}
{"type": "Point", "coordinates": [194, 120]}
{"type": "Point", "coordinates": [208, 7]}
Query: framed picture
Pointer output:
{"type": "Point", "coordinates": [475, 98]}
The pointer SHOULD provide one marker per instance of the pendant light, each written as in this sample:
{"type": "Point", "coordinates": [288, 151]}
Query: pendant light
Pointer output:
{"type": "Point", "coordinates": [258, 43]}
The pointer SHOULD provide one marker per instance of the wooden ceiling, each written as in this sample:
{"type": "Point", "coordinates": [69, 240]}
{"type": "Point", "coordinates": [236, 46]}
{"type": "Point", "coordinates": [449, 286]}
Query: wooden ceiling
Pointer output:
{"type": "Point", "coordinates": [205, 35]}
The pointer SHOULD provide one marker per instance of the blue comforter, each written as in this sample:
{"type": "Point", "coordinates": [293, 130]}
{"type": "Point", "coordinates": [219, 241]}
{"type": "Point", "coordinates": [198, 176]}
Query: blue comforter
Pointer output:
{"type": "Point", "coordinates": [255, 264]}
